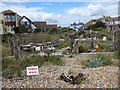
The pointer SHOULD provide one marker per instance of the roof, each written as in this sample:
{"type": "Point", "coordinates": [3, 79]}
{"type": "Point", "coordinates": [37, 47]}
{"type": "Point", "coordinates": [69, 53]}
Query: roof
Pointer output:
{"type": "Point", "coordinates": [39, 22]}
{"type": "Point", "coordinates": [116, 18]}
{"type": "Point", "coordinates": [26, 18]}
{"type": "Point", "coordinates": [51, 24]}
{"type": "Point", "coordinates": [105, 17]}
{"type": "Point", "coordinates": [93, 20]}
{"type": "Point", "coordinates": [74, 23]}
{"type": "Point", "coordinates": [86, 24]}
{"type": "Point", "coordinates": [8, 11]}
{"type": "Point", "coordinates": [80, 23]}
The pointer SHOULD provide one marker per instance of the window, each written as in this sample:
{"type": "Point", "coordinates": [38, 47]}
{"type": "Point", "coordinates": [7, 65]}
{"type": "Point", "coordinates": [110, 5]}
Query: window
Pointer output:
{"type": "Point", "coordinates": [8, 18]}
{"type": "Point", "coordinates": [5, 17]}
{"type": "Point", "coordinates": [25, 23]}
{"type": "Point", "coordinates": [116, 22]}
{"type": "Point", "coordinates": [13, 18]}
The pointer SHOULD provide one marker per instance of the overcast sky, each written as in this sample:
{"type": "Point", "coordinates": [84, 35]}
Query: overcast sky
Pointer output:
{"type": "Point", "coordinates": [62, 13]}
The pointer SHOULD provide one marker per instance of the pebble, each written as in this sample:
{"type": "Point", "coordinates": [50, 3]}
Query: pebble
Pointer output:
{"type": "Point", "coordinates": [100, 77]}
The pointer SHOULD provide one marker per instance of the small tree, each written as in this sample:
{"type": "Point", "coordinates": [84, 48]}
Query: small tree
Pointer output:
{"type": "Point", "coordinates": [20, 29]}
{"type": "Point", "coordinates": [16, 29]}
{"type": "Point", "coordinates": [100, 24]}
{"type": "Point", "coordinates": [100, 28]}
{"type": "Point", "coordinates": [91, 27]}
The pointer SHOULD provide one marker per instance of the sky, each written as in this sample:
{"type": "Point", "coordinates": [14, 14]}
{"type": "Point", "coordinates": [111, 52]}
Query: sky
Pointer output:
{"type": "Point", "coordinates": [62, 13]}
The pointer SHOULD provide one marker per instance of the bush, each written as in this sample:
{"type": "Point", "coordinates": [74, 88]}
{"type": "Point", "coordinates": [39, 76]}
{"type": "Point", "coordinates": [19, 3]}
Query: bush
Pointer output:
{"type": "Point", "coordinates": [70, 56]}
{"type": "Point", "coordinates": [100, 35]}
{"type": "Point", "coordinates": [5, 37]}
{"type": "Point", "coordinates": [20, 29]}
{"type": "Point", "coordinates": [104, 48]}
{"type": "Point", "coordinates": [100, 29]}
{"type": "Point", "coordinates": [117, 54]}
{"type": "Point", "coordinates": [55, 60]}
{"type": "Point", "coordinates": [106, 60]}
{"type": "Point", "coordinates": [93, 63]}
{"type": "Point", "coordinates": [100, 60]}
{"type": "Point", "coordinates": [82, 48]}
{"type": "Point", "coordinates": [13, 67]}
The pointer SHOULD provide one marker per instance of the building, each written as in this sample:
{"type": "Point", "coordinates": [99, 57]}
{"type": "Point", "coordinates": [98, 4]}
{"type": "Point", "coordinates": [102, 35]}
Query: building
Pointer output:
{"type": "Point", "coordinates": [116, 25]}
{"type": "Point", "coordinates": [40, 25]}
{"type": "Point", "coordinates": [9, 20]}
{"type": "Point", "coordinates": [77, 26]}
{"type": "Point", "coordinates": [51, 26]}
{"type": "Point", "coordinates": [1, 23]}
{"type": "Point", "coordinates": [86, 25]}
{"type": "Point", "coordinates": [112, 23]}
{"type": "Point", "coordinates": [109, 22]}
{"type": "Point", "coordinates": [27, 24]}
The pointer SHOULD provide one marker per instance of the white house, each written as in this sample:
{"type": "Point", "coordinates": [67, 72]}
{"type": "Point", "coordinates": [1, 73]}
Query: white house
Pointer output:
{"type": "Point", "coordinates": [77, 26]}
{"type": "Point", "coordinates": [27, 23]}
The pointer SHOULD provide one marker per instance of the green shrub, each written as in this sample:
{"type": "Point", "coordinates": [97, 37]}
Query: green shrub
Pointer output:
{"type": "Point", "coordinates": [104, 48]}
{"type": "Point", "coordinates": [100, 35]}
{"type": "Point", "coordinates": [70, 56]}
{"type": "Point", "coordinates": [61, 37]}
{"type": "Point", "coordinates": [19, 72]}
{"type": "Point", "coordinates": [100, 60]}
{"type": "Point", "coordinates": [8, 73]}
{"type": "Point", "coordinates": [117, 54]}
{"type": "Point", "coordinates": [93, 63]}
{"type": "Point", "coordinates": [55, 60]}
{"type": "Point", "coordinates": [37, 60]}
{"type": "Point", "coordinates": [14, 67]}
{"type": "Point", "coordinates": [82, 48]}
{"type": "Point", "coordinates": [100, 28]}
{"type": "Point", "coordinates": [106, 60]}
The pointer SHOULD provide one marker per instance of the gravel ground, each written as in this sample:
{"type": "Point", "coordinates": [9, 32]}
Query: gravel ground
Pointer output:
{"type": "Point", "coordinates": [101, 77]}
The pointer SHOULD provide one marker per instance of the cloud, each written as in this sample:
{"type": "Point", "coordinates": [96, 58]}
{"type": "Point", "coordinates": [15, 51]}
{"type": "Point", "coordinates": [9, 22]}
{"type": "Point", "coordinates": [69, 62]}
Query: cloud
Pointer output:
{"type": "Point", "coordinates": [34, 13]}
{"type": "Point", "coordinates": [91, 10]}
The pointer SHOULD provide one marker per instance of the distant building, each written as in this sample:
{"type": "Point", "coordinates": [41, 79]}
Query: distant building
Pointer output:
{"type": "Point", "coordinates": [86, 25]}
{"type": "Point", "coordinates": [77, 26]}
{"type": "Point", "coordinates": [41, 25]}
{"type": "Point", "coordinates": [112, 23]}
{"type": "Point", "coordinates": [51, 26]}
{"type": "Point", "coordinates": [9, 19]}
{"type": "Point", "coordinates": [116, 25]}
